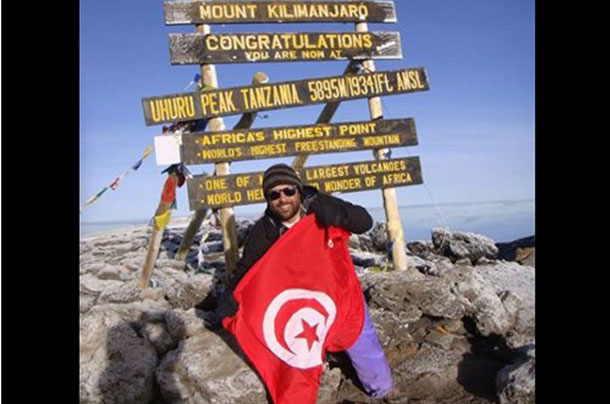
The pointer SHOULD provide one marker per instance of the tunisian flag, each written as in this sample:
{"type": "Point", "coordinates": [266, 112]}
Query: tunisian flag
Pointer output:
{"type": "Point", "coordinates": [301, 299]}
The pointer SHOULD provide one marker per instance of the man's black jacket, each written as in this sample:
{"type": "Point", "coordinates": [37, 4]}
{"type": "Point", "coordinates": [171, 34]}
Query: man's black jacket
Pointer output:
{"type": "Point", "coordinates": [269, 228]}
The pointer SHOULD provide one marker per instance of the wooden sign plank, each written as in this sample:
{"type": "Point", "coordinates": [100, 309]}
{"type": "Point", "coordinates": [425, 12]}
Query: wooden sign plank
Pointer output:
{"type": "Point", "coordinates": [239, 100]}
{"type": "Point", "coordinates": [239, 12]}
{"type": "Point", "coordinates": [195, 48]}
{"type": "Point", "coordinates": [209, 147]}
{"type": "Point", "coordinates": [243, 189]}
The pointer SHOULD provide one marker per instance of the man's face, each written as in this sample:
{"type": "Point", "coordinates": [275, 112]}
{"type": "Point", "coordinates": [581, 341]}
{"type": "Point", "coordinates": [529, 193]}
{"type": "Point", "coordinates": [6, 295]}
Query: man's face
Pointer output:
{"type": "Point", "coordinates": [285, 207]}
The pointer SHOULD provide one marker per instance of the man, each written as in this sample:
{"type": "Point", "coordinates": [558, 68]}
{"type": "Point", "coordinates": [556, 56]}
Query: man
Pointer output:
{"type": "Point", "coordinates": [288, 201]}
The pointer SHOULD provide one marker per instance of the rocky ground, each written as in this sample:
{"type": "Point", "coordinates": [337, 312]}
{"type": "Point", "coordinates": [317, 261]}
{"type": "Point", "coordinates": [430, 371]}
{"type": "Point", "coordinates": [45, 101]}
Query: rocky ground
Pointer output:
{"type": "Point", "coordinates": [457, 327]}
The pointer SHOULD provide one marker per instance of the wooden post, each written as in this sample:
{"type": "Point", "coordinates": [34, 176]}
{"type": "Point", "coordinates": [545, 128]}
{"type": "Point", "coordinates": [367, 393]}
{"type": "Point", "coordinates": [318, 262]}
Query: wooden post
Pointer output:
{"type": "Point", "coordinates": [392, 214]}
{"type": "Point", "coordinates": [227, 216]}
{"type": "Point", "coordinates": [245, 122]}
{"type": "Point", "coordinates": [155, 239]}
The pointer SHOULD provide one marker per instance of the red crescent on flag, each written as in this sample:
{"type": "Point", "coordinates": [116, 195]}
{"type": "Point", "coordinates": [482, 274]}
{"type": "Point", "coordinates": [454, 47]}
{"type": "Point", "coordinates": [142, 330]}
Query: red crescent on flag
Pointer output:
{"type": "Point", "coordinates": [286, 313]}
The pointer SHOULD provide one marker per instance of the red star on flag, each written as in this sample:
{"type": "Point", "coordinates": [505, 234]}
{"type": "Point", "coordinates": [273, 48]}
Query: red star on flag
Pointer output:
{"type": "Point", "coordinates": [309, 333]}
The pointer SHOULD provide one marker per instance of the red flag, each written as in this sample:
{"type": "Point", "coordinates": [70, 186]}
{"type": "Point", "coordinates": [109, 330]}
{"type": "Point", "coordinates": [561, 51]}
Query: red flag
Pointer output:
{"type": "Point", "coordinates": [169, 189]}
{"type": "Point", "coordinates": [301, 299]}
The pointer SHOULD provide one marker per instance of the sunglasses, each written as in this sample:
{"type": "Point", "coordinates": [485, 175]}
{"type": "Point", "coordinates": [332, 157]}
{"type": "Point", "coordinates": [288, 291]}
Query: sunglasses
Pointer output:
{"type": "Point", "coordinates": [276, 193]}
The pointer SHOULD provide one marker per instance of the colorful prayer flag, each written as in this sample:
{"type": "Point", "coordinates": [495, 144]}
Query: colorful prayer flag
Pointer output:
{"type": "Point", "coordinates": [162, 220]}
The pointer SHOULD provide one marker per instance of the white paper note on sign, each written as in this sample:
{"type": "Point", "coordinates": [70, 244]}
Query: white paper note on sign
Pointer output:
{"type": "Point", "coordinates": [167, 150]}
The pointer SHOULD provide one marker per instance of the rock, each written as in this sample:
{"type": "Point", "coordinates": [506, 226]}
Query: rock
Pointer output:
{"type": "Point", "coordinates": [446, 327]}
{"type": "Point", "coordinates": [361, 242]}
{"type": "Point", "coordinates": [329, 383]}
{"type": "Point", "coordinates": [480, 300]}
{"type": "Point", "coordinates": [423, 266]}
{"type": "Point", "coordinates": [519, 280]}
{"type": "Point", "coordinates": [439, 339]}
{"type": "Point", "coordinates": [396, 291]}
{"type": "Point", "coordinates": [159, 338]}
{"type": "Point", "coordinates": [86, 302]}
{"type": "Point", "coordinates": [463, 261]}
{"type": "Point", "coordinates": [136, 313]}
{"type": "Point", "coordinates": [116, 365]}
{"type": "Point", "coordinates": [354, 242]}
{"type": "Point", "coordinates": [484, 261]}
{"type": "Point", "coordinates": [430, 360]}
{"type": "Point", "coordinates": [516, 383]}
{"type": "Point", "coordinates": [91, 267]}
{"type": "Point", "coordinates": [243, 230]}
{"type": "Point", "coordinates": [526, 256]}
{"type": "Point", "coordinates": [420, 248]}
{"type": "Point", "coordinates": [183, 324]}
{"type": "Point", "coordinates": [91, 285]}
{"type": "Point", "coordinates": [184, 291]}
{"type": "Point", "coordinates": [367, 259]}
{"type": "Point", "coordinates": [124, 293]}
{"type": "Point", "coordinates": [204, 369]}
{"type": "Point", "coordinates": [114, 273]}
{"type": "Point", "coordinates": [457, 245]}
{"type": "Point", "coordinates": [508, 251]}
{"type": "Point", "coordinates": [393, 333]}
{"type": "Point", "coordinates": [379, 236]}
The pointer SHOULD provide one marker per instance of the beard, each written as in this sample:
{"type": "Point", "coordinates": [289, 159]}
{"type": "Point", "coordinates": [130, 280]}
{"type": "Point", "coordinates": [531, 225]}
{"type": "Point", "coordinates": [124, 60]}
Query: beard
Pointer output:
{"type": "Point", "coordinates": [286, 210]}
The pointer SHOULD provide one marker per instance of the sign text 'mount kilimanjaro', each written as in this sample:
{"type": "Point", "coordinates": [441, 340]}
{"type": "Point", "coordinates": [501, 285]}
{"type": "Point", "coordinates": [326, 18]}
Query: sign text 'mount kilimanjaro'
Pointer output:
{"type": "Point", "coordinates": [227, 12]}
{"type": "Point", "coordinates": [206, 191]}
{"type": "Point", "coordinates": [211, 147]}
{"type": "Point", "coordinates": [198, 48]}
{"type": "Point", "coordinates": [239, 100]}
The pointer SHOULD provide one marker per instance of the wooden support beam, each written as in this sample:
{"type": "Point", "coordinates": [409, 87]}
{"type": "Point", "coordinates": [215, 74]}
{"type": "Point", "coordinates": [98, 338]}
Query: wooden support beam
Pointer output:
{"type": "Point", "coordinates": [164, 208]}
{"type": "Point", "coordinates": [227, 215]}
{"type": "Point", "coordinates": [245, 122]}
{"type": "Point", "coordinates": [390, 203]}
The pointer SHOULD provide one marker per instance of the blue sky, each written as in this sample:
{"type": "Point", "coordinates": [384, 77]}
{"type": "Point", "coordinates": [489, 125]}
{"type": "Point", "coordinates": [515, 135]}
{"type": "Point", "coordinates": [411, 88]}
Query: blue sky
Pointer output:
{"type": "Point", "coordinates": [475, 125]}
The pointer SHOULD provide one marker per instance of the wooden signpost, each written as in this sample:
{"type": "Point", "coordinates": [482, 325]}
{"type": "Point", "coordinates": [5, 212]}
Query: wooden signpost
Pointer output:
{"type": "Point", "coordinates": [283, 47]}
{"type": "Point", "coordinates": [245, 122]}
{"type": "Point", "coordinates": [359, 80]}
{"type": "Point", "coordinates": [242, 189]}
{"type": "Point", "coordinates": [210, 147]}
{"type": "Point", "coordinates": [238, 100]}
{"type": "Point", "coordinates": [240, 12]}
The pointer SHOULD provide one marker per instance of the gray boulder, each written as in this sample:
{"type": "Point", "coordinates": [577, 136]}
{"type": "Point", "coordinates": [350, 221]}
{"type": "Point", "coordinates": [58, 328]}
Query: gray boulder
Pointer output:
{"type": "Point", "coordinates": [181, 289]}
{"type": "Point", "coordinates": [457, 245]}
{"type": "Point", "coordinates": [379, 236]}
{"type": "Point", "coordinates": [519, 280]}
{"type": "Point", "coordinates": [516, 383]}
{"type": "Point", "coordinates": [183, 324]}
{"type": "Point", "coordinates": [204, 369]}
{"type": "Point", "coordinates": [481, 301]}
{"type": "Point", "coordinates": [116, 365]}
{"type": "Point", "coordinates": [367, 259]}
{"type": "Point", "coordinates": [124, 293]}
{"type": "Point", "coordinates": [400, 291]}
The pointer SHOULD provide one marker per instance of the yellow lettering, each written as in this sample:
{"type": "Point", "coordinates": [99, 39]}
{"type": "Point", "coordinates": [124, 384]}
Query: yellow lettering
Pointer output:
{"type": "Point", "coordinates": [383, 140]}
{"type": "Point", "coordinates": [224, 198]}
{"type": "Point", "coordinates": [253, 195]}
{"type": "Point", "coordinates": [215, 184]}
{"type": "Point", "coordinates": [349, 184]}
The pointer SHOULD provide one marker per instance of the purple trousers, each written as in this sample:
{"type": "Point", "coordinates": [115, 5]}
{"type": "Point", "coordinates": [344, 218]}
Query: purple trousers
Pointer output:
{"type": "Point", "coordinates": [369, 361]}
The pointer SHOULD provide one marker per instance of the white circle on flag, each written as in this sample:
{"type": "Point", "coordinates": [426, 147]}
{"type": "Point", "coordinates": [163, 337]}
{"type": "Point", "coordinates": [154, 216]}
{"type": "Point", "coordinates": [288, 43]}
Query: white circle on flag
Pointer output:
{"type": "Point", "coordinates": [305, 330]}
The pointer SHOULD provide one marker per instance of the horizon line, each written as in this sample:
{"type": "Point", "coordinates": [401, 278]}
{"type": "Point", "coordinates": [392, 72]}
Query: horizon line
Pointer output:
{"type": "Point", "coordinates": [366, 207]}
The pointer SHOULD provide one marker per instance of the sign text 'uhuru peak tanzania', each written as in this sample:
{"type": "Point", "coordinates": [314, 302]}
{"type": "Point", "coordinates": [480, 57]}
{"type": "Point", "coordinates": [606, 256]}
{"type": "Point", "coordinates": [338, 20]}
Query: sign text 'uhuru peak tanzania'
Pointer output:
{"type": "Point", "coordinates": [239, 100]}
